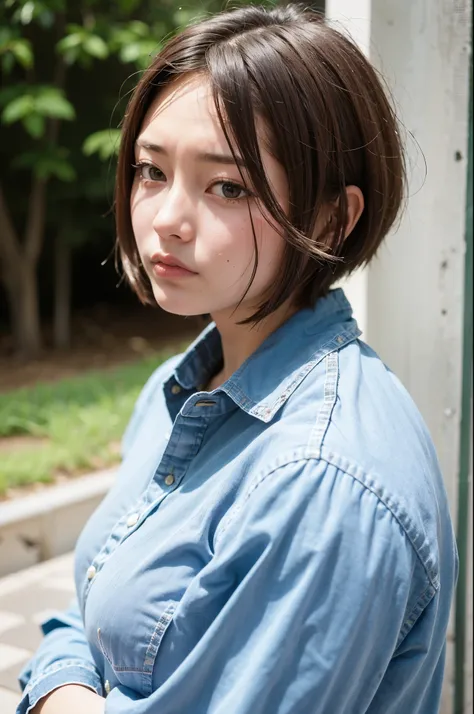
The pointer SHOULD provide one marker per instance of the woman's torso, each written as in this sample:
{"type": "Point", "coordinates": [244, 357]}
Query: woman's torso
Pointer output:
{"type": "Point", "coordinates": [313, 393]}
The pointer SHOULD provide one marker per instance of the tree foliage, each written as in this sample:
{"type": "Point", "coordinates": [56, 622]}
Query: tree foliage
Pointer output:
{"type": "Point", "coordinates": [67, 69]}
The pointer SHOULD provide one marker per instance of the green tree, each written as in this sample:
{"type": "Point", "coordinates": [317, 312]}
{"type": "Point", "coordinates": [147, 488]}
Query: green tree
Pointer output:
{"type": "Point", "coordinates": [63, 66]}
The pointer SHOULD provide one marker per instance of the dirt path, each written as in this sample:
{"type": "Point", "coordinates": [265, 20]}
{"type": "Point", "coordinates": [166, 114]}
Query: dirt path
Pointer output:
{"type": "Point", "coordinates": [101, 338]}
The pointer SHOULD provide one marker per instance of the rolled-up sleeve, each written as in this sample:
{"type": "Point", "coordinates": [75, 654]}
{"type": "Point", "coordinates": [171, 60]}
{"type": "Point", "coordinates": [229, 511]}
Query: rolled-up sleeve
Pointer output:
{"type": "Point", "coordinates": [300, 609]}
{"type": "Point", "coordinates": [63, 657]}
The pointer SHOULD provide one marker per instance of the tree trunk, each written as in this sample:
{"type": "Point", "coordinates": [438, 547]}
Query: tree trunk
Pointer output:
{"type": "Point", "coordinates": [19, 263]}
{"type": "Point", "coordinates": [30, 336]}
{"type": "Point", "coordinates": [62, 292]}
{"type": "Point", "coordinates": [13, 297]}
{"type": "Point", "coordinates": [19, 257]}
{"type": "Point", "coordinates": [22, 293]}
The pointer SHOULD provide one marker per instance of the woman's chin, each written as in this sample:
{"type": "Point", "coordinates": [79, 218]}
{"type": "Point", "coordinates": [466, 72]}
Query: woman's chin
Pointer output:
{"type": "Point", "coordinates": [185, 308]}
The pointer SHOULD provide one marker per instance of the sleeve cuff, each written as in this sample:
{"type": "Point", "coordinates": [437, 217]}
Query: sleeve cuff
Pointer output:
{"type": "Point", "coordinates": [57, 675]}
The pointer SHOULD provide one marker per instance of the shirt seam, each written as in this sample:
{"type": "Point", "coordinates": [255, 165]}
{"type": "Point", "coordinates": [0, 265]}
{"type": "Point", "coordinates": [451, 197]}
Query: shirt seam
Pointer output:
{"type": "Point", "coordinates": [418, 608]}
{"type": "Point", "coordinates": [56, 667]}
{"type": "Point", "coordinates": [319, 457]}
{"type": "Point", "coordinates": [330, 397]}
{"type": "Point", "coordinates": [434, 582]}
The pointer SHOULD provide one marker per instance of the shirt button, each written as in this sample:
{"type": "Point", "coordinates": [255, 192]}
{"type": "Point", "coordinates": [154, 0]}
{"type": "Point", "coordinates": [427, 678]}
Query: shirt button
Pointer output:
{"type": "Point", "coordinates": [107, 686]}
{"type": "Point", "coordinates": [169, 480]}
{"type": "Point", "coordinates": [132, 520]}
{"type": "Point", "coordinates": [175, 389]}
{"type": "Point", "coordinates": [91, 571]}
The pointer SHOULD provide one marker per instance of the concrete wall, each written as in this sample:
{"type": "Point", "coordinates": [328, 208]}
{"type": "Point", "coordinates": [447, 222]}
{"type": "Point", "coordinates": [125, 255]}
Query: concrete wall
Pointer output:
{"type": "Point", "coordinates": [417, 282]}
{"type": "Point", "coordinates": [47, 524]}
{"type": "Point", "coordinates": [410, 301]}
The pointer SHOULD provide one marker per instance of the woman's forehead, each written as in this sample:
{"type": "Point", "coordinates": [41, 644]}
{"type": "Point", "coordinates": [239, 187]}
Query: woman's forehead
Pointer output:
{"type": "Point", "coordinates": [184, 112]}
{"type": "Point", "coordinates": [184, 105]}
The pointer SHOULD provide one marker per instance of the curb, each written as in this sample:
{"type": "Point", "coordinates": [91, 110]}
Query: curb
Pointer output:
{"type": "Point", "coordinates": [44, 525]}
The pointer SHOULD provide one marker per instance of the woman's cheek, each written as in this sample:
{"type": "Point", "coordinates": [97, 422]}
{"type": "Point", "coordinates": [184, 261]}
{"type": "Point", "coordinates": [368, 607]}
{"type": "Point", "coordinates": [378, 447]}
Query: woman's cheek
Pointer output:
{"type": "Point", "coordinates": [142, 223]}
{"type": "Point", "coordinates": [228, 244]}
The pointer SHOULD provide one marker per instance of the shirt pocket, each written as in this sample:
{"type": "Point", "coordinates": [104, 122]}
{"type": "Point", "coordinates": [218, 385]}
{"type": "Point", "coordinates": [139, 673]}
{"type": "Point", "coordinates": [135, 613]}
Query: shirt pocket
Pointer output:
{"type": "Point", "coordinates": [132, 657]}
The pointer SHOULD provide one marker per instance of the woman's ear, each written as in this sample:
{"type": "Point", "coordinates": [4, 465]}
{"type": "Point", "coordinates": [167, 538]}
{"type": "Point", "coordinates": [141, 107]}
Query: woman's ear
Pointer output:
{"type": "Point", "coordinates": [355, 206]}
{"type": "Point", "coordinates": [325, 224]}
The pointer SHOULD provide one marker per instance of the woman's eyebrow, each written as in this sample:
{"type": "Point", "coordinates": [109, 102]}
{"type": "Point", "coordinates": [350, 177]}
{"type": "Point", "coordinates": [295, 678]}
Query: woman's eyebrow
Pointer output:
{"type": "Point", "coordinates": [221, 159]}
{"type": "Point", "coordinates": [207, 156]}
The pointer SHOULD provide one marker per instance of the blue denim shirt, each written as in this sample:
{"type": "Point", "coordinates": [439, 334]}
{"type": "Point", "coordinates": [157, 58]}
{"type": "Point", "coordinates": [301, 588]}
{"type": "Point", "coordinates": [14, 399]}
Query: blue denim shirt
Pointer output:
{"type": "Point", "coordinates": [281, 545]}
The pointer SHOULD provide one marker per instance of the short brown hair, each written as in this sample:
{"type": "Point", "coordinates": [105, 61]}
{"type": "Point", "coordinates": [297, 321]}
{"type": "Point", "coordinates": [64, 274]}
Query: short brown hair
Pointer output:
{"type": "Point", "coordinates": [330, 125]}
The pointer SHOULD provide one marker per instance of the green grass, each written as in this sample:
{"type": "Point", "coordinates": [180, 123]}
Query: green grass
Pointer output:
{"type": "Point", "coordinates": [73, 425]}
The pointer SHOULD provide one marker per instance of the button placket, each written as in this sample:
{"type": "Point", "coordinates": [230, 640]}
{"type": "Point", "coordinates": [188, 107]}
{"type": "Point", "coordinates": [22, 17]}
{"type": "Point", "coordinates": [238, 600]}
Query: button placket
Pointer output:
{"type": "Point", "coordinates": [119, 533]}
{"type": "Point", "coordinates": [165, 476]}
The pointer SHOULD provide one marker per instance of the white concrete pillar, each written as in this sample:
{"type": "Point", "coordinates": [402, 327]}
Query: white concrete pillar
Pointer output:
{"type": "Point", "coordinates": [415, 286]}
{"type": "Point", "coordinates": [410, 300]}
{"type": "Point", "coordinates": [353, 17]}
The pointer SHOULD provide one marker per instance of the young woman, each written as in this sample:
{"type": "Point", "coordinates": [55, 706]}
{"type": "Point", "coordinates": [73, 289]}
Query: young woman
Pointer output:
{"type": "Point", "coordinates": [278, 538]}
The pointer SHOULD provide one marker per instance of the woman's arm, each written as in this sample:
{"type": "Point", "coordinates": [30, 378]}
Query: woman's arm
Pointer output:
{"type": "Point", "coordinates": [63, 658]}
{"type": "Point", "coordinates": [71, 698]}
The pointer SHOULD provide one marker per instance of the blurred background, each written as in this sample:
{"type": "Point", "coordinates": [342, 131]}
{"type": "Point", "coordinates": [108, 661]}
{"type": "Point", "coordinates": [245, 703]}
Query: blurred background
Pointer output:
{"type": "Point", "coordinates": [76, 346]}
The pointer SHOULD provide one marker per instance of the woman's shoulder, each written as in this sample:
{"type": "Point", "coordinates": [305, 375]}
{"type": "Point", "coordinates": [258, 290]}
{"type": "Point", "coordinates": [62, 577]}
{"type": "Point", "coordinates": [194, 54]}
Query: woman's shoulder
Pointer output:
{"type": "Point", "coordinates": [374, 417]}
{"type": "Point", "coordinates": [353, 412]}
{"type": "Point", "coordinates": [377, 436]}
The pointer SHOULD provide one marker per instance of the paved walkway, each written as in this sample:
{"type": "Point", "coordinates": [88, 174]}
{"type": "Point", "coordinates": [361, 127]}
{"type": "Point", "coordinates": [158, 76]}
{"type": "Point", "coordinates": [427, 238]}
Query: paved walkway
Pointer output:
{"type": "Point", "coordinates": [27, 598]}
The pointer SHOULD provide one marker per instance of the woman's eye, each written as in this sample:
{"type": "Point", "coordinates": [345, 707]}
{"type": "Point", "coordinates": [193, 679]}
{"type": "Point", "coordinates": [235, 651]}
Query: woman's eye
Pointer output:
{"type": "Point", "coordinates": [148, 172]}
{"type": "Point", "coordinates": [229, 190]}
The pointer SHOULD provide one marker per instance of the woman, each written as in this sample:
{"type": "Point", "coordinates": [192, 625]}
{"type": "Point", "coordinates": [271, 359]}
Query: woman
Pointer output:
{"type": "Point", "coordinates": [278, 539]}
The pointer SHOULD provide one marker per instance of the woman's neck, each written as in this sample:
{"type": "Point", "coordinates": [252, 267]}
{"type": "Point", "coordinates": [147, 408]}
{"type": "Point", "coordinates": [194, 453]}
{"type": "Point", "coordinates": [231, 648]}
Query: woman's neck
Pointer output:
{"type": "Point", "coordinates": [241, 341]}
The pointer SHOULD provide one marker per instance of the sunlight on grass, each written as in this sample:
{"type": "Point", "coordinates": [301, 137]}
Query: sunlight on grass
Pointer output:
{"type": "Point", "coordinates": [80, 421]}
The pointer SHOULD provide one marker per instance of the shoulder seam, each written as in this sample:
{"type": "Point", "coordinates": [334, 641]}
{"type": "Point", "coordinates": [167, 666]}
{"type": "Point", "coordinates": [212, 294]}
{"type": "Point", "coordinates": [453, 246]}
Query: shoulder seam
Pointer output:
{"type": "Point", "coordinates": [331, 383]}
{"type": "Point", "coordinates": [233, 513]}
{"type": "Point", "coordinates": [434, 582]}
{"type": "Point", "coordinates": [419, 607]}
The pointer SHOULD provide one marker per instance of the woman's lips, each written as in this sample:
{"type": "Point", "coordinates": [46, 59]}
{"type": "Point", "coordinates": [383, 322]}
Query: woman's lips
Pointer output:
{"type": "Point", "coordinates": [163, 270]}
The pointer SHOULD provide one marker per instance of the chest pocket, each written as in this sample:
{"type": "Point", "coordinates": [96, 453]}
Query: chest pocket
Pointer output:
{"type": "Point", "coordinates": [132, 654]}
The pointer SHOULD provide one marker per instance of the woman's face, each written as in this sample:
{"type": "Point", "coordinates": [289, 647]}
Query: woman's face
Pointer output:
{"type": "Point", "coordinates": [189, 207]}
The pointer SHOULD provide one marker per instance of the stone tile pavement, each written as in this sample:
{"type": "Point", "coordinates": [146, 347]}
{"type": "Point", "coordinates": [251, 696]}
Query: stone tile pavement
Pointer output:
{"type": "Point", "coordinates": [27, 598]}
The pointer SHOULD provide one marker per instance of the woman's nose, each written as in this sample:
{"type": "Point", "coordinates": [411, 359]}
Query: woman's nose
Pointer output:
{"type": "Point", "coordinates": [175, 215]}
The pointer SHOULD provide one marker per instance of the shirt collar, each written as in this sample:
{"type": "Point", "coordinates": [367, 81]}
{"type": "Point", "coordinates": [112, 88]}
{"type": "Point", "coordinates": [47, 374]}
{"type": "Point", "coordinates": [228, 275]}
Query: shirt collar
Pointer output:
{"type": "Point", "coordinates": [270, 375]}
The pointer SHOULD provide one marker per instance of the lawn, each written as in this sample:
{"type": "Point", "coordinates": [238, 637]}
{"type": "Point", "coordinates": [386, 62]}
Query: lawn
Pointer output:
{"type": "Point", "coordinates": [69, 426]}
